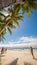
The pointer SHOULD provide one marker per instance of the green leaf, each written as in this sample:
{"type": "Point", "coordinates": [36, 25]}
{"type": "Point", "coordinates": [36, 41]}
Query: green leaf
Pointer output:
{"type": "Point", "coordinates": [9, 30]}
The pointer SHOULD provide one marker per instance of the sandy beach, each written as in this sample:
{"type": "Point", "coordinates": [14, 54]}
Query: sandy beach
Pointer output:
{"type": "Point", "coordinates": [18, 57]}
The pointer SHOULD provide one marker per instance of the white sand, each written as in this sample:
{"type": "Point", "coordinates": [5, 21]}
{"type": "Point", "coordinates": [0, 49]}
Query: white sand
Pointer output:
{"type": "Point", "coordinates": [14, 57]}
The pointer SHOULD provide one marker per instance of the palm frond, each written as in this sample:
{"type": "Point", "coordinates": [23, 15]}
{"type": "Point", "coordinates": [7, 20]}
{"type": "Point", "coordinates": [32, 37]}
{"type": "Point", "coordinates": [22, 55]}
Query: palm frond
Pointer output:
{"type": "Point", "coordinates": [13, 18]}
{"type": "Point", "coordinates": [10, 31]}
{"type": "Point", "coordinates": [1, 14]}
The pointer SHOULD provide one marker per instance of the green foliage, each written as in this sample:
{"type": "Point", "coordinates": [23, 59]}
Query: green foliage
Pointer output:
{"type": "Point", "coordinates": [15, 15]}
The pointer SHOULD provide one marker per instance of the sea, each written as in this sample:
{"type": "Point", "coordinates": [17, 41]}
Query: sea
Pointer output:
{"type": "Point", "coordinates": [19, 49]}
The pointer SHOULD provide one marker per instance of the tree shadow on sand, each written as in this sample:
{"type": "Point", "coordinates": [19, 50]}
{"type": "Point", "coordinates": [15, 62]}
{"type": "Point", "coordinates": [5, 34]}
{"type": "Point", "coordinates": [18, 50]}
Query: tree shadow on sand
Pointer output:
{"type": "Point", "coordinates": [35, 58]}
{"type": "Point", "coordinates": [1, 55]}
{"type": "Point", "coordinates": [0, 60]}
{"type": "Point", "coordinates": [14, 62]}
{"type": "Point", "coordinates": [26, 63]}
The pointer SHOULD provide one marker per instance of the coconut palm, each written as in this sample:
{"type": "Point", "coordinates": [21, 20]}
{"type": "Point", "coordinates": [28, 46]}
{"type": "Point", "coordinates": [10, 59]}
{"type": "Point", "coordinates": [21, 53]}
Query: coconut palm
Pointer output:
{"type": "Point", "coordinates": [27, 6]}
{"type": "Point", "coordinates": [8, 22]}
{"type": "Point", "coordinates": [14, 15]}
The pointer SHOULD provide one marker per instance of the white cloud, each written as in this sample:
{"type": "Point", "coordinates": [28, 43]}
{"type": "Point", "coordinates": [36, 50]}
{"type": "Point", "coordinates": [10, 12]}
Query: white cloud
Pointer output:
{"type": "Point", "coordinates": [22, 42]}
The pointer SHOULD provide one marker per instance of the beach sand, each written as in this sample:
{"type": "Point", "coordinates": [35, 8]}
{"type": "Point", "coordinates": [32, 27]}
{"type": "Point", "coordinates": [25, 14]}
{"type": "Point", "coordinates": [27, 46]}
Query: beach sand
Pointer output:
{"type": "Point", "coordinates": [18, 57]}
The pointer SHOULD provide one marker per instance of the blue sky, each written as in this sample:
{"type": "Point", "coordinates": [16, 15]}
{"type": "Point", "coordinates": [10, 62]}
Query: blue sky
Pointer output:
{"type": "Point", "coordinates": [28, 28]}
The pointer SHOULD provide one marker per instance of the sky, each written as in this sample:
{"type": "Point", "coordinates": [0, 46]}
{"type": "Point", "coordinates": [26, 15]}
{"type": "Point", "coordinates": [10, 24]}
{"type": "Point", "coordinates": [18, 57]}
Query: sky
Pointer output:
{"type": "Point", "coordinates": [25, 35]}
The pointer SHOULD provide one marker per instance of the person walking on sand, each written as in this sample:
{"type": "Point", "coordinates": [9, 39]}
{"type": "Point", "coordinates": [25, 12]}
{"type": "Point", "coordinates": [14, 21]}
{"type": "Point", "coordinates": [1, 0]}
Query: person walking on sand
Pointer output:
{"type": "Point", "coordinates": [2, 50]}
{"type": "Point", "coordinates": [31, 49]}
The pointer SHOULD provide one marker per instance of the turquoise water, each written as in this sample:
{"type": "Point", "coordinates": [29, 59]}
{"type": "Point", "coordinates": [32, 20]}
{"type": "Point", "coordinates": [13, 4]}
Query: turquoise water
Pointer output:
{"type": "Point", "coordinates": [26, 49]}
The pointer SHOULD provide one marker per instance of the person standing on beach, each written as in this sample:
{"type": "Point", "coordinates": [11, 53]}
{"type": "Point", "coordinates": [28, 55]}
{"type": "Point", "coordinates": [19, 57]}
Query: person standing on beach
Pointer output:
{"type": "Point", "coordinates": [2, 50]}
{"type": "Point", "coordinates": [31, 49]}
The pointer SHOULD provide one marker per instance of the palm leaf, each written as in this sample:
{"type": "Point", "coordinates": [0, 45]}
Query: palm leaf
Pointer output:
{"type": "Point", "coordinates": [1, 14]}
{"type": "Point", "coordinates": [9, 30]}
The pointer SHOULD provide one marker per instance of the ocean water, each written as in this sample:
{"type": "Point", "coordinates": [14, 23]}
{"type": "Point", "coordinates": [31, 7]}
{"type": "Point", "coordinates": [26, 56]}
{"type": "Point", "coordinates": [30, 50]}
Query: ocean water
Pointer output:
{"type": "Point", "coordinates": [19, 49]}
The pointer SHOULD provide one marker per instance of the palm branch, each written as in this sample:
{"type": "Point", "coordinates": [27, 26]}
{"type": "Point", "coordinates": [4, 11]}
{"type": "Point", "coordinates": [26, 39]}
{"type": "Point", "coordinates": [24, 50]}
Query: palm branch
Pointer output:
{"type": "Point", "coordinates": [14, 15]}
